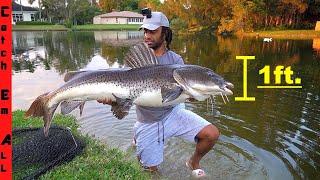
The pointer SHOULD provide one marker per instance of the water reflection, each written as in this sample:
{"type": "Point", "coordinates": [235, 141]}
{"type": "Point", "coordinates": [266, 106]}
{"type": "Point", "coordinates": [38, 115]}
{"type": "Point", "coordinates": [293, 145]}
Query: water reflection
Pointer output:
{"type": "Point", "coordinates": [316, 47]}
{"type": "Point", "coordinates": [275, 137]}
{"type": "Point", "coordinates": [118, 38]}
{"type": "Point", "coordinates": [98, 62]}
{"type": "Point", "coordinates": [67, 51]}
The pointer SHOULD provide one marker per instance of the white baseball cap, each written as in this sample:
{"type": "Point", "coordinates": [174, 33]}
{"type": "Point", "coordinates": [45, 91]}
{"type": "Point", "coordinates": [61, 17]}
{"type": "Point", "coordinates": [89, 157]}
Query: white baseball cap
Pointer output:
{"type": "Point", "coordinates": [157, 19]}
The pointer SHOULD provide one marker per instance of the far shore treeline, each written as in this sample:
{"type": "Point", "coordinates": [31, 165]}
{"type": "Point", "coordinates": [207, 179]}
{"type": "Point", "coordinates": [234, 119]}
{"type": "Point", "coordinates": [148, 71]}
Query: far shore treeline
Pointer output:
{"type": "Point", "coordinates": [222, 16]}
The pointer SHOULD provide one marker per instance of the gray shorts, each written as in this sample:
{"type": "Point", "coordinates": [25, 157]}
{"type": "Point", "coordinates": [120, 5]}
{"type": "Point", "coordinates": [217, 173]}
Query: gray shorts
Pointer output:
{"type": "Point", "coordinates": [150, 137]}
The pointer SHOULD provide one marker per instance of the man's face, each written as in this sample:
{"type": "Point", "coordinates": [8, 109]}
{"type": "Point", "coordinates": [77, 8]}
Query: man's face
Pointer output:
{"type": "Point", "coordinates": [153, 38]}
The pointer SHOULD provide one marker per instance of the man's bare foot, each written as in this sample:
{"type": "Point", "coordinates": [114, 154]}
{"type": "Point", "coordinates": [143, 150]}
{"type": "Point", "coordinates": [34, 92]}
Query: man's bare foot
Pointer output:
{"type": "Point", "coordinates": [193, 165]}
{"type": "Point", "coordinates": [196, 171]}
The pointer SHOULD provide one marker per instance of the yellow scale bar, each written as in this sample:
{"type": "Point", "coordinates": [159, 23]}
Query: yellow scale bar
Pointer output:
{"type": "Point", "coordinates": [279, 87]}
{"type": "Point", "coordinates": [245, 90]}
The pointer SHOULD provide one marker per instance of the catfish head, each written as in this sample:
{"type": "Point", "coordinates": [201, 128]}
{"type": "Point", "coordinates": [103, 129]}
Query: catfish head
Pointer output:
{"type": "Point", "coordinates": [200, 82]}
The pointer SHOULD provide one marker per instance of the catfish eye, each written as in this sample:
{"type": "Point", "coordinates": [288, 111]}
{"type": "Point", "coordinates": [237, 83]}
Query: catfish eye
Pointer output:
{"type": "Point", "coordinates": [210, 74]}
{"type": "Point", "coordinates": [215, 78]}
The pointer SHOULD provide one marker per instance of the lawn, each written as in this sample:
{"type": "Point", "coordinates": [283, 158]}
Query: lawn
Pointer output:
{"type": "Point", "coordinates": [87, 27]}
{"type": "Point", "coordinates": [285, 34]}
{"type": "Point", "coordinates": [96, 162]}
{"type": "Point", "coordinates": [107, 27]}
{"type": "Point", "coordinates": [39, 28]}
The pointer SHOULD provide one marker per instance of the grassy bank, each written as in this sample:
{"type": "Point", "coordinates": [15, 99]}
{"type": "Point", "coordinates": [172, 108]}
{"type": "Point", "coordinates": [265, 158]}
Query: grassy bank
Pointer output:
{"type": "Point", "coordinates": [99, 27]}
{"type": "Point", "coordinates": [284, 34]}
{"type": "Point", "coordinates": [39, 28]}
{"type": "Point", "coordinates": [88, 27]}
{"type": "Point", "coordinates": [96, 162]}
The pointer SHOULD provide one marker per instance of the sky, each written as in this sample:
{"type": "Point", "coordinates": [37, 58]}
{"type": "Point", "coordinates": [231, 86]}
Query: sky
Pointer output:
{"type": "Point", "coordinates": [25, 3]}
{"type": "Point", "coordinates": [35, 3]}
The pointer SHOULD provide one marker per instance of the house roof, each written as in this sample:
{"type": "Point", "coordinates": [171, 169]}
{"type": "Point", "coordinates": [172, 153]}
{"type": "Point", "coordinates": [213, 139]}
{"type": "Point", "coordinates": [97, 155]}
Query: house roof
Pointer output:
{"type": "Point", "coordinates": [17, 7]}
{"type": "Point", "coordinates": [121, 14]}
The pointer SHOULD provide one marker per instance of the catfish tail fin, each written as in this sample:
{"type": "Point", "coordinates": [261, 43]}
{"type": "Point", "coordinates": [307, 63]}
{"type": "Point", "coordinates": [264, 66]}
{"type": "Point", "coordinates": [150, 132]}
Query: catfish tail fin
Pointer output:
{"type": "Point", "coordinates": [39, 108]}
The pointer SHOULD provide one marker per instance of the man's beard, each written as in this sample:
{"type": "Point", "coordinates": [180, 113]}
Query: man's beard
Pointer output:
{"type": "Point", "coordinates": [156, 45]}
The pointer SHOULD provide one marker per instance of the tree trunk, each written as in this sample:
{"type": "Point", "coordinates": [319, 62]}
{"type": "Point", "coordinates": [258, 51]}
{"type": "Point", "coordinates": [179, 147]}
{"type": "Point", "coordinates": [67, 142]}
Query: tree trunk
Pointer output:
{"type": "Point", "coordinates": [266, 22]}
{"type": "Point", "coordinates": [297, 20]}
{"type": "Point", "coordinates": [40, 16]}
{"type": "Point", "coordinates": [21, 11]}
{"type": "Point", "coordinates": [290, 20]}
{"type": "Point", "coordinates": [286, 20]}
{"type": "Point", "coordinates": [270, 22]}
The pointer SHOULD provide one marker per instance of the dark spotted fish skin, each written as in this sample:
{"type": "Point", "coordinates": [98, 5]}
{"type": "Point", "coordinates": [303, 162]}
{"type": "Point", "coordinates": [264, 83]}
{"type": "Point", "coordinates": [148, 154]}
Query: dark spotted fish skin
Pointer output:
{"type": "Point", "coordinates": [145, 79]}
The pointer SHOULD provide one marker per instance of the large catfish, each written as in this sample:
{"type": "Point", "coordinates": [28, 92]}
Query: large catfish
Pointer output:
{"type": "Point", "coordinates": [145, 83]}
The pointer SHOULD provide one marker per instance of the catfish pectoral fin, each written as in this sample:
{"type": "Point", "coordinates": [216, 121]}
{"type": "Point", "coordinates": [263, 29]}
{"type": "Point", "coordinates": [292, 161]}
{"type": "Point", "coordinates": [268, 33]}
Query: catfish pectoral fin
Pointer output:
{"type": "Point", "coordinates": [68, 106]}
{"type": "Point", "coordinates": [118, 111]}
{"type": "Point", "coordinates": [121, 107]}
{"type": "Point", "coordinates": [81, 107]}
{"type": "Point", "coordinates": [170, 94]}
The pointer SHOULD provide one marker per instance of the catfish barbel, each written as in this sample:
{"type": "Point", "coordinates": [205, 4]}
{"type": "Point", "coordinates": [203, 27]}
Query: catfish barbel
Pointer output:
{"type": "Point", "coordinates": [146, 83]}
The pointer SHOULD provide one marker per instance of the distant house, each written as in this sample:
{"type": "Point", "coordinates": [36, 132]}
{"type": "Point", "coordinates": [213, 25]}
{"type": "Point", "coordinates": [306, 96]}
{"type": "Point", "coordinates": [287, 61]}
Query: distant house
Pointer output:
{"type": "Point", "coordinates": [119, 17]}
{"type": "Point", "coordinates": [22, 13]}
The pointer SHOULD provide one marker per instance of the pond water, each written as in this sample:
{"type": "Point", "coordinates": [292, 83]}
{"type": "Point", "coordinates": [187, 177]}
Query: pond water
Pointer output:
{"type": "Point", "coordinates": [275, 137]}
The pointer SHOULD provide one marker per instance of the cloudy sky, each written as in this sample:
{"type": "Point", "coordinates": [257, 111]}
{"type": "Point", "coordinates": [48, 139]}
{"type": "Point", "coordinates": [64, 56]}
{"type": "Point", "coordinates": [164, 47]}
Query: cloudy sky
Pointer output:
{"type": "Point", "coordinates": [25, 3]}
{"type": "Point", "coordinates": [35, 3]}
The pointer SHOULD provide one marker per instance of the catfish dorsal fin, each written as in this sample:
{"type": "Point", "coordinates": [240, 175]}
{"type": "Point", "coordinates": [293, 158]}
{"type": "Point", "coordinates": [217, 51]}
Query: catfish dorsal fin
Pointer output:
{"type": "Point", "coordinates": [140, 55]}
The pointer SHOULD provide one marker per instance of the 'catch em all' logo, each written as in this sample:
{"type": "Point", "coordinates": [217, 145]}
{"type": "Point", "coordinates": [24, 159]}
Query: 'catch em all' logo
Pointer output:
{"type": "Point", "coordinates": [278, 73]}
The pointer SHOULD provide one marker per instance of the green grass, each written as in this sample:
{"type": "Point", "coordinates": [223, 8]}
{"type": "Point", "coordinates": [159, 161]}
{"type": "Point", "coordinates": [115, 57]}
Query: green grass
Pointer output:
{"type": "Point", "coordinates": [39, 28]}
{"type": "Point", "coordinates": [107, 27]}
{"type": "Point", "coordinates": [96, 162]}
{"type": "Point", "coordinates": [285, 34]}
{"type": "Point", "coordinates": [87, 27]}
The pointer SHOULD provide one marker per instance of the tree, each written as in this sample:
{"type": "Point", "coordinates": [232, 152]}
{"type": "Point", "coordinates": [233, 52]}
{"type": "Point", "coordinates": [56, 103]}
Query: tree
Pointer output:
{"type": "Point", "coordinates": [109, 5]}
{"type": "Point", "coordinates": [81, 12]}
{"type": "Point", "coordinates": [154, 5]}
{"type": "Point", "coordinates": [196, 13]}
{"type": "Point", "coordinates": [129, 5]}
{"type": "Point", "coordinates": [120, 5]}
{"type": "Point", "coordinates": [68, 11]}
{"type": "Point", "coordinates": [40, 7]}
{"type": "Point", "coordinates": [54, 9]}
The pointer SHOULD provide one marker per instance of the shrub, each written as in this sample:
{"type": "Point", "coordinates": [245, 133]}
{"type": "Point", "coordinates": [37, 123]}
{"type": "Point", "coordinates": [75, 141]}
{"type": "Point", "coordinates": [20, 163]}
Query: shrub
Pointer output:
{"type": "Point", "coordinates": [68, 24]}
{"type": "Point", "coordinates": [33, 23]}
{"type": "Point", "coordinates": [178, 24]}
{"type": "Point", "coordinates": [226, 26]}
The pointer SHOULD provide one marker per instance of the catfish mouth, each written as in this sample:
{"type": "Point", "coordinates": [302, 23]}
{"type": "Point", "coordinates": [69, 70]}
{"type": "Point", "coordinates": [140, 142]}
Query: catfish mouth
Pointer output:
{"type": "Point", "coordinates": [209, 91]}
{"type": "Point", "coordinates": [225, 89]}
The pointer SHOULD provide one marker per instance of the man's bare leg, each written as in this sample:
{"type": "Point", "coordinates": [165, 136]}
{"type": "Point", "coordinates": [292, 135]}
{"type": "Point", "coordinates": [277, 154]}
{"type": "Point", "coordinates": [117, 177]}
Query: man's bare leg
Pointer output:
{"type": "Point", "coordinates": [207, 137]}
